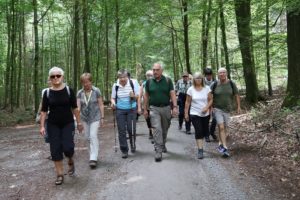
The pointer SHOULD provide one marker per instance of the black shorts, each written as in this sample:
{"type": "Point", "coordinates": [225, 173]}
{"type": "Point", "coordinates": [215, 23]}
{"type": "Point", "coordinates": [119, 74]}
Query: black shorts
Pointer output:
{"type": "Point", "coordinates": [61, 139]}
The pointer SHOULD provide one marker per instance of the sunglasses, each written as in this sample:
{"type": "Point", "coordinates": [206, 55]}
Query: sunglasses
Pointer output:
{"type": "Point", "coordinates": [55, 76]}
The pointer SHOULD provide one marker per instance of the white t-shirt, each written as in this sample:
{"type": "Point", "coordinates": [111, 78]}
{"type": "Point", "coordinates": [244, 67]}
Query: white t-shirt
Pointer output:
{"type": "Point", "coordinates": [199, 100]}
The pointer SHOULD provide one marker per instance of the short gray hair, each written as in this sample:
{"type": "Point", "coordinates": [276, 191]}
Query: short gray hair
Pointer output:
{"type": "Point", "coordinates": [56, 69]}
{"type": "Point", "coordinates": [161, 64]}
{"type": "Point", "coordinates": [222, 69]}
{"type": "Point", "coordinates": [122, 72]}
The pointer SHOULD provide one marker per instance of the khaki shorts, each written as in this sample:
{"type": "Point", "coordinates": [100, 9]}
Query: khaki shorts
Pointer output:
{"type": "Point", "coordinates": [222, 117]}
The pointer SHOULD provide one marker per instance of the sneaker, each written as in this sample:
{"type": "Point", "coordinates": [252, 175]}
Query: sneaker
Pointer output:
{"type": "Point", "coordinates": [93, 164]}
{"type": "Point", "coordinates": [158, 157]}
{"type": "Point", "coordinates": [221, 148]}
{"type": "Point", "coordinates": [164, 149]}
{"type": "Point", "coordinates": [207, 139]}
{"type": "Point", "coordinates": [200, 153]}
{"type": "Point", "coordinates": [179, 127]}
{"type": "Point", "coordinates": [188, 132]}
{"type": "Point", "coordinates": [214, 136]}
{"type": "Point", "coordinates": [225, 153]}
{"type": "Point", "coordinates": [124, 155]}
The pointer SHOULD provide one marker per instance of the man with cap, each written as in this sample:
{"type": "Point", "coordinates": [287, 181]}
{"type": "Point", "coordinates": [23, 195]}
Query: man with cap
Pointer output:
{"type": "Point", "coordinates": [181, 88]}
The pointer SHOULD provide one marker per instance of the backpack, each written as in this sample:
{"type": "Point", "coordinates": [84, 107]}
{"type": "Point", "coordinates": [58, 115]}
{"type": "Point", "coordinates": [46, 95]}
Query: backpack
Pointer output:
{"type": "Point", "coordinates": [215, 84]}
{"type": "Point", "coordinates": [48, 91]}
{"type": "Point", "coordinates": [117, 88]}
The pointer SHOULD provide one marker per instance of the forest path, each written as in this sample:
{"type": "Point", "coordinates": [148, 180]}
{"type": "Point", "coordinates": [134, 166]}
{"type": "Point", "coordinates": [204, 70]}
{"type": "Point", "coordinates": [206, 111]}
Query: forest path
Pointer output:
{"type": "Point", "coordinates": [25, 173]}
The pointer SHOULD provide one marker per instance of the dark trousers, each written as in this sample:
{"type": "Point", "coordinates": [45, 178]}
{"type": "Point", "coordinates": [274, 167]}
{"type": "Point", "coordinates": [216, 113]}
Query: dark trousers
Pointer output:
{"type": "Point", "coordinates": [181, 104]}
{"type": "Point", "coordinates": [213, 125]}
{"type": "Point", "coordinates": [126, 121]}
{"type": "Point", "coordinates": [61, 139]}
{"type": "Point", "coordinates": [201, 126]}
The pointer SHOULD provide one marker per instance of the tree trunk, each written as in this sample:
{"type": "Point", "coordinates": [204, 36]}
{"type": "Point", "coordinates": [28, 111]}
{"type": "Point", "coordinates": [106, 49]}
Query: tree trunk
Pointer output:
{"type": "Point", "coordinates": [76, 54]}
{"type": "Point", "coordinates": [184, 8]}
{"type": "Point", "coordinates": [243, 18]}
{"type": "Point", "coordinates": [174, 56]}
{"type": "Point", "coordinates": [87, 66]}
{"type": "Point", "coordinates": [20, 59]}
{"type": "Point", "coordinates": [270, 91]}
{"type": "Point", "coordinates": [216, 44]}
{"type": "Point", "coordinates": [205, 32]}
{"type": "Point", "coordinates": [107, 52]}
{"type": "Point", "coordinates": [117, 35]}
{"type": "Point", "coordinates": [224, 39]}
{"type": "Point", "coordinates": [293, 44]}
{"type": "Point", "coordinates": [36, 56]}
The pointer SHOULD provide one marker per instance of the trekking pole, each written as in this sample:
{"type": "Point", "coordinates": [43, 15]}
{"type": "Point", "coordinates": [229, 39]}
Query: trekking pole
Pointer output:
{"type": "Point", "coordinates": [115, 147]}
{"type": "Point", "coordinates": [133, 132]}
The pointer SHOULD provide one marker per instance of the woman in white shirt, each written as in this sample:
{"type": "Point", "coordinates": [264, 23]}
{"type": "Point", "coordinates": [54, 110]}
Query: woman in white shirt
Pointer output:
{"type": "Point", "coordinates": [198, 103]}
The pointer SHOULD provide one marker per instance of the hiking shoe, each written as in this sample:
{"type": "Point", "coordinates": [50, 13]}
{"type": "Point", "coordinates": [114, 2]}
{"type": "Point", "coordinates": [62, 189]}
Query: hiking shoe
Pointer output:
{"type": "Point", "coordinates": [150, 137]}
{"type": "Point", "coordinates": [93, 164]}
{"type": "Point", "coordinates": [225, 153]}
{"type": "Point", "coordinates": [179, 127]}
{"type": "Point", "coordinates": [200, 153]}
{"type": "Point", "coordinates": [188, 132]}
{"type": "Point", "coordinates": [164, 149]}
{"type": "Point", "coordinates": [158, 156]}
{"type": "Point", "coordinates": [133, 148]}
{"type": "Point", "coordinates": [221, 148]}
{"type": "Point", "coordinates": [207, 139]}
{"type": "Point", "coordinates": [124, 155]}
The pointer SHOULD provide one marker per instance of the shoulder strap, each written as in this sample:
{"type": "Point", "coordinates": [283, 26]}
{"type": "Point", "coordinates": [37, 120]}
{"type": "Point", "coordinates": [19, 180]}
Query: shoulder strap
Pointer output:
{"type": "Point", "coordinates": [48, 92]}
{"type": "Point", "coordinates": [131, 84]}
{"type": "Point", "coordinates": [68, 90]}
{"type": "Point", "coordinates": [214, 85]}
{"type": "Point", "coordinates": [232, 87]}
{"type": "Point", "coordinates": [67, 87]}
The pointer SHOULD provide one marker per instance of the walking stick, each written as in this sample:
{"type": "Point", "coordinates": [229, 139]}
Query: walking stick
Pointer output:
{"type": "Point", "coordinates": [133, 131]}
{"type": "Point", "coordinates": [115, 147]}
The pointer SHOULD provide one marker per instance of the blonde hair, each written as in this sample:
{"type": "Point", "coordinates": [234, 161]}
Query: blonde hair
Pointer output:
{"type": "Point", "coordinates": [87, 76]}
{"type": "Point", "coordinates": [198, 75]}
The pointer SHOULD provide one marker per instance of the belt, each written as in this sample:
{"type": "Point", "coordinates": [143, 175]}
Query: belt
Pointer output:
{"type": "Point", "coordinates": [161, 105]}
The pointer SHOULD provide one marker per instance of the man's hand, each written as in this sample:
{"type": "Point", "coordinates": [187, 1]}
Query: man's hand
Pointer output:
{"type": "Point", "coordinates": [146, 115]}
{"type": "Point", "coordinates": [174, 111]}
{"type": "Point", "coordinates": [113, 106]}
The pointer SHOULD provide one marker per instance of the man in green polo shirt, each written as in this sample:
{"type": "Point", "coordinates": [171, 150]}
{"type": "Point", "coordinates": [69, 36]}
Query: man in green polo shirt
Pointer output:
{"type": "Point", "coordinates": [158, 93]}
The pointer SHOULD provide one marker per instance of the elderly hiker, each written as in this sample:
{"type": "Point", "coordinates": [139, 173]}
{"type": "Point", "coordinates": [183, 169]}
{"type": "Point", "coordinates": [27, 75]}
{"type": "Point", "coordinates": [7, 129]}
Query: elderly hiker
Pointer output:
{"type": "Point", "coordinates": [158, 93]}
{"type": "Point", "coordinates": [224, 91]}
{"type": "Point", "coordinates": [60, 101]}
{"type": "Point", "coordinates": [124, 98]}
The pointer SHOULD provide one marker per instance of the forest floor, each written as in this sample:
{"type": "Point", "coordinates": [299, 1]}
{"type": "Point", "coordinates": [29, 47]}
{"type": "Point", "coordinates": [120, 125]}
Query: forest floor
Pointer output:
{"type": "Point", "coordinates": [264, 144]}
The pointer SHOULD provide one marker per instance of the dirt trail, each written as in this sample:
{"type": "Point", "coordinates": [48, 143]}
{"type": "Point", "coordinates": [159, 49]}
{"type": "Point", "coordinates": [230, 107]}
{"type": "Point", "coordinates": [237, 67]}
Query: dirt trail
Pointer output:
{"type": "Point", "coordinates": [25, 172]}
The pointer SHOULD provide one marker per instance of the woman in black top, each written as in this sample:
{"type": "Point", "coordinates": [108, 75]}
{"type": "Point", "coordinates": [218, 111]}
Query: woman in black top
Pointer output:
{"type": "Point", "coordinates": [60, 100]}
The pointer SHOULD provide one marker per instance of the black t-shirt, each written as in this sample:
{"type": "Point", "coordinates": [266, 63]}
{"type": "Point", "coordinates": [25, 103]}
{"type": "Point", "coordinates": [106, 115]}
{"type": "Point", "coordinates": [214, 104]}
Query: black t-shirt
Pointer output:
{"type": "Point", "coordinates": [60, 105]}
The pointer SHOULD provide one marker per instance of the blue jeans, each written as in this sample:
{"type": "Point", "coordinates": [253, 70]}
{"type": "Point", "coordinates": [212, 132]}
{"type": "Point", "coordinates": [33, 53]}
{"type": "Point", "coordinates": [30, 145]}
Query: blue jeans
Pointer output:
{"type": "Point", "coordinates": [126, 121]}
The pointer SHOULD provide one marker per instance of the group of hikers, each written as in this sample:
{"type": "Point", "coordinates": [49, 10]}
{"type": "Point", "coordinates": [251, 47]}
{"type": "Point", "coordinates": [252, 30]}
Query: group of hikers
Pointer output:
{"type": "Point", "coordinates": [196, 99]}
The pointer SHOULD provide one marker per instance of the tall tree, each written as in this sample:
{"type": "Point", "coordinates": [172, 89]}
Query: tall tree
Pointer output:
{"type": "Point", "coordinates": [205, 31]}
{"type": "Point", "coordinates": [293, 43]}
{"type": "Point", "coordinates": [76, 55]}
{"type": "Point", "coordinates": [87, 65]}
{"type": "Point", "coordinates": [117, 21]}
{"type": "Point", "coordinates": [224, 38]}
{"type": "Point", "coordinates": [185, 22]}
{"type": "Point", "coordinates": [270, 91]}
{"type": "Point", "coordinates": [36, 55]}
{"type": "Point", "coordinates": [243, 19]}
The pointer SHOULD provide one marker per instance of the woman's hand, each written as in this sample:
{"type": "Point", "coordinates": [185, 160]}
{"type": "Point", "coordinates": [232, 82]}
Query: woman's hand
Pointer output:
{"type": "Point", "coordinates": [186, 117]}
{"type": "Point", "coordinates": [80, 127]}
{"type": "Point", "coordinates": [42, 131]}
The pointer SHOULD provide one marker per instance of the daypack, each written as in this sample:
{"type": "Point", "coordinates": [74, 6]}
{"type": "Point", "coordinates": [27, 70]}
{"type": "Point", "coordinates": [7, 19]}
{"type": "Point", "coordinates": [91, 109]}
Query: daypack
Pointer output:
{"type": "Point", "coordinates": [215, 84]}
{"type": "Point", "coordinates": [48, 91]}
{"type": "Point", "coordinates": [117, 88]}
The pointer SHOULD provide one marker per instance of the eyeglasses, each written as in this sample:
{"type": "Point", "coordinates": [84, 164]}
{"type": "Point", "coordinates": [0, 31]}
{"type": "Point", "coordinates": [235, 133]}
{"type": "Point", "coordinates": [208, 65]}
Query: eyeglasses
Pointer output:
{"type": "Point", "coordinates": [55, 76]}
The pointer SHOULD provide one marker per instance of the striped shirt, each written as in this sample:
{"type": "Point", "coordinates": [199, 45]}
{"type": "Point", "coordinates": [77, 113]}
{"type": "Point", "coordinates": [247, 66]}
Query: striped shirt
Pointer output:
{"type": "Point", "coordinates": [182, 87]}
{"type": "Point", "coordinates": [123, 101]}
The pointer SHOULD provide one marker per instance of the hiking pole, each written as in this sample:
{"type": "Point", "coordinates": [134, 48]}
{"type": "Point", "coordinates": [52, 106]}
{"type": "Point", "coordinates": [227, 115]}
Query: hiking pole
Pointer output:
{"type": "Point", "coordinates": [115, 147]}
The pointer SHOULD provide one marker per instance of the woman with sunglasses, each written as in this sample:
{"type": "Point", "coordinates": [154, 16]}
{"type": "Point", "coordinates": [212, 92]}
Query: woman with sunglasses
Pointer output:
{"type": "Point", "coordinates": [60, 100]}
{"type": "Point", "coordinates": [199, 100]}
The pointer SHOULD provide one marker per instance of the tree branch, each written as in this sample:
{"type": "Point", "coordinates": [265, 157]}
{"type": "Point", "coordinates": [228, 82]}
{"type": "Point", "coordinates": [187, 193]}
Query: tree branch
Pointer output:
{"type": "Point", "coordinates": [43, 15]}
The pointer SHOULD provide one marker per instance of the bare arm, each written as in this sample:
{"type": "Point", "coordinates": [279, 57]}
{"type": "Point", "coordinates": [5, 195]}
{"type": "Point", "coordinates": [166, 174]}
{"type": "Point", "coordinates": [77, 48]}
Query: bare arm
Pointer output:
{"type": "Point", "coordinates": [146, 100]}
{"type": "Point", "coordinates": [76, 112]}
{"type": "Point", "coordinates": [187, 107]}
{"type": "Point", "coordinates": [42, 126]}
{"type": "Point", "coordinates": [101, 106]}
{"type": "Point", "coordinates": [174, 102]}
